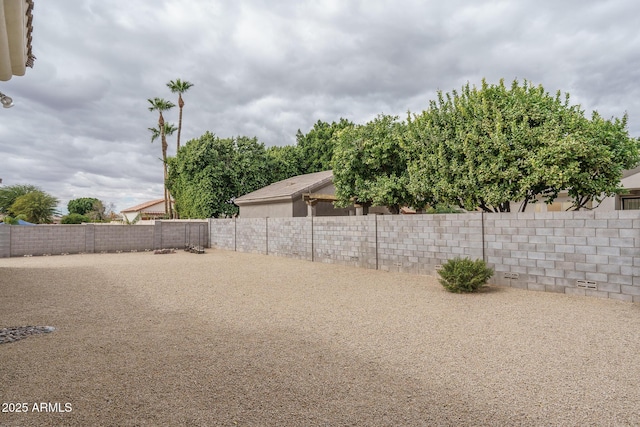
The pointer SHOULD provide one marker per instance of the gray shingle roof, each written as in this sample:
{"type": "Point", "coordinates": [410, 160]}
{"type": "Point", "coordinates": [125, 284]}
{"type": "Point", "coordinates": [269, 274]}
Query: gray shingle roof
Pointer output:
{"type": "Point", "coordinates": [288, 189]}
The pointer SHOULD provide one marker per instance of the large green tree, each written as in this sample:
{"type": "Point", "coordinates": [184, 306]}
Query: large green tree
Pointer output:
{"type": "Point", "coordinates": [161, 105]}
{"type": "Point", "coordinates": [316, 146]}
{"type": "Point", "coordinates": [10, 193]}
{"type": "Point", "coordinates": [82, 205]}
{"type": "Point", "coordinates": [487, 147]}
{"type": "Point", "coordinates": [370, 165]}
{"type": "Point", "coordinates": [90, 207]}
{"type": "Point", "coordinates": [179, 86]}
{"type": "Point", "coordinates": [36, 206]}
{"type": "Point", "coordinates": [284, 162]}
{"type": "Point", "coordinates": [209, 172]}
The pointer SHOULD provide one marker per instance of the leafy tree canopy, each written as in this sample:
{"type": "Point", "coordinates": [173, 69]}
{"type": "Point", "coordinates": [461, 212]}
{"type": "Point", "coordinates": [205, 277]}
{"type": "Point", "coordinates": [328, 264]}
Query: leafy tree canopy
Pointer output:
{"type": "Point", "coordinates": [209, 172]}
{"type": "Point", "coordinates": [82, 205]}
{"type": "Point", "coordinates": [316, 147]}
{"type": "Point", "coordinates": [486, 147]}
{"type": "Point", "coordinates": [89, 207]}
{"type": "Point", "coordinates": [9, 194]}
{"type": "Point", "coordinates": [36, 206]}
{"type": "Point", "coordinates": [370, 166]}
{"type": "Point", "coordinates": [284, 162]}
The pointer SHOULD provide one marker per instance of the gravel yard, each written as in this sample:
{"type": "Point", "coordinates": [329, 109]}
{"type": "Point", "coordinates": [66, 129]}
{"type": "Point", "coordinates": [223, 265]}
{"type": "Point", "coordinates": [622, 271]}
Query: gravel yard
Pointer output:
{"type": "Point", "coordinates": [226, 339]}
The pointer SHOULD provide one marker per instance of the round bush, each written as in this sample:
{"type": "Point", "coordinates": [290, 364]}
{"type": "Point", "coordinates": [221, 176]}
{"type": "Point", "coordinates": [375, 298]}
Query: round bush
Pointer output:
{"type": "Point", "coordinates": [74, 218]}
{"type": "Point", "coordinates": [462, 275]}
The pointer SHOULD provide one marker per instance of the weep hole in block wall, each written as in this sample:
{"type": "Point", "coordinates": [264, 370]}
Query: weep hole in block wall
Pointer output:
{"type": "Point", "coordinates": [586, 284]}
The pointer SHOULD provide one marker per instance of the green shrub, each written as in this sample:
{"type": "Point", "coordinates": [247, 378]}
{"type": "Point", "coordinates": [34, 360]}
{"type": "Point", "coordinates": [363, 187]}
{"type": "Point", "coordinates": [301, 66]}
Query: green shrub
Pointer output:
{"type": "Point", "coordinates": [462, 275]}
{"type": "Point", "coordinates": [443, 210]}
{"type": "Point", "coordinates": [74, 218]}
{"type": "Point", "coordinates": [9, 220]}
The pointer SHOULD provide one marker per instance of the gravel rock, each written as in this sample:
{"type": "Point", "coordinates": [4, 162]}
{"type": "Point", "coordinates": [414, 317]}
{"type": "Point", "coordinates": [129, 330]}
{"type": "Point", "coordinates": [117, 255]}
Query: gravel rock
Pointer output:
{"type": "Point", "coordinates": [230, 338]}
{"type": "Point", "coordinates": [19, 332]}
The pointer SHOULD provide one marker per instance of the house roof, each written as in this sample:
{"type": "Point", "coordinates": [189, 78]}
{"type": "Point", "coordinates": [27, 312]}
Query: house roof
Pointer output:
{"type": "Point", "coordinates": [16, 26]}
{"type": "Point", "coordinates": [288, 189]}
{"type": "Point", "coordinates": [629, 172]}
{"type": "Point", "coordinates": [143, 206]}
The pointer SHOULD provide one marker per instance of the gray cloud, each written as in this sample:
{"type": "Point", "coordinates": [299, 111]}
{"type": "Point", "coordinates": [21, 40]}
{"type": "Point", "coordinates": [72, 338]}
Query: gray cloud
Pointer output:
{"type": "Point", "coordinates": [267, 69]}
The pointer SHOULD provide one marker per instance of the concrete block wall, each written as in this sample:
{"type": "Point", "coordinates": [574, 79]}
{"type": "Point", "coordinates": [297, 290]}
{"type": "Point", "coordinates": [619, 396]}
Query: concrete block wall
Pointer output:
{"type": "Point", "coordinates": [349, 240]}
{"type": "Point", "coordinates": [418, 243]}
{"type": "Point", "coordinates": [587, 253]}
{"type": "Point", "coordinates": [89, 238]}
{"type": "Point", "coordinates": [5, 241]}
{"type": "Point", "coordinates": [113, 238]}
{"type": "Point", "coordinates": [177, 234]}
{"type": "Point", "coordinates": [47, 240]}
{"type": "Point", "coordinates": [251, 235]}
{"type": "Point", "coordinates": [290, 237]}
{"type": "Point", "coordinates": [584, 253]}
{"type": "Point", "coordinates": [222, 233]}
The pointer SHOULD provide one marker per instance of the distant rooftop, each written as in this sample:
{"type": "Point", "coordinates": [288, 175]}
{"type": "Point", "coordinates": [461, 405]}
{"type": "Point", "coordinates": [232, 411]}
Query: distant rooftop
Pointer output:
{"type": "Point", "coordinates": [288, 189]}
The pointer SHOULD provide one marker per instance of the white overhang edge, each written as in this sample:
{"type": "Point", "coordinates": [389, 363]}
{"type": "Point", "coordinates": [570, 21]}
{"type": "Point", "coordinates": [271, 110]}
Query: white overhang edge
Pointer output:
{"type": "Point", "coordinates": [13, 38]}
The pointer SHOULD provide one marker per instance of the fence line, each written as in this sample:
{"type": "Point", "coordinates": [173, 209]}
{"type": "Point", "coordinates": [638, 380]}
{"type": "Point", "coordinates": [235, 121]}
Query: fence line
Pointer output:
{"type": "Point", "coordinates": [97, 238]}
{"type": "Point", "coordinates": [584, 253]}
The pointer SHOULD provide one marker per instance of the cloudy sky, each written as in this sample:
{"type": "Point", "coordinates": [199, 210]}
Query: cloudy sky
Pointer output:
{"type": "Point", "coordinates": [269, 68]}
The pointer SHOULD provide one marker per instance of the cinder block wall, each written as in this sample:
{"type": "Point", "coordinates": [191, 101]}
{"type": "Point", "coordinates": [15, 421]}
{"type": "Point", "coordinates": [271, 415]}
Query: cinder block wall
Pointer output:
{"type": "Point", "coordinates": [583, 253]}
{"type": "Point", "coordinates": [113, 238]}
{"type": "Point", "coordinates": [223, 233]}
{"type": "Point", "coordinates": [47, 240]}
{"type": "Point", "coordinates": [347, 240]}
{"type": "Point", "coordinates": [419, 243]}
{"type": "Point", "coordinates": [251, 235]}
{"type": "Point", "coordinates": [177, 234]}
{"type": "Point", "coordinates": [5, 241]}
{"type": "Point", "coordinates": [290, 237]}
{"type": "Point", "coordinates": [90, 238]}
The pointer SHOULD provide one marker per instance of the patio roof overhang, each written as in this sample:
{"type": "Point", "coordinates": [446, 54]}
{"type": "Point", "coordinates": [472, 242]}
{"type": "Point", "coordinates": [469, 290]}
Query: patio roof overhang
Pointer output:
{"type": "Point", "coordinates": [16, 25]}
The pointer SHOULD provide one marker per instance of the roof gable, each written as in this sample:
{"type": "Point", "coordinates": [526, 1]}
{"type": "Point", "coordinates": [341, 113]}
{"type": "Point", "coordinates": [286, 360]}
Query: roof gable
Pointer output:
{"type": "Point", "coordinates": [288, 189]}
{"type": "Point", "coordinates": [145, 205]}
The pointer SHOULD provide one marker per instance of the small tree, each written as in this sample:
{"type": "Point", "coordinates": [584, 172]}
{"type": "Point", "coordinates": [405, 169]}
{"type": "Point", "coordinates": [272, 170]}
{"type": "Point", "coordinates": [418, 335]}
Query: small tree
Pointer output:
{"type": "Point", "coordinates": [9, 194]}
{"type": "Point", "coordinates": [81, 206]}
{"type": "Point", "coordinates": [37, 207]}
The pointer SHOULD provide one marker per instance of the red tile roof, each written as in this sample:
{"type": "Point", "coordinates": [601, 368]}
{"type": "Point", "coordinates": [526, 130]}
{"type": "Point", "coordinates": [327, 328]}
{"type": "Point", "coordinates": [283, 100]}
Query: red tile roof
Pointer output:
{"type": "Point", "coordinates": [142, 206]}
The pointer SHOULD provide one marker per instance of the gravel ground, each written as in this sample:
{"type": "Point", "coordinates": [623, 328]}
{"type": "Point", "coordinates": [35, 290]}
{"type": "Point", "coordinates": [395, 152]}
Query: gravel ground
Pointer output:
{"type": "Point", "coordinates": [225, 339]}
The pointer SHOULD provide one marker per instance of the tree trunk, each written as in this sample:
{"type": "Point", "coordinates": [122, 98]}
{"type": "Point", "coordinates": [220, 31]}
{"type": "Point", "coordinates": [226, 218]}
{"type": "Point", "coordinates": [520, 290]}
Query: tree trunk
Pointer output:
{"type": "Point", "coordinates": [180, 104]}
{"type": "Point", "coordinates": [163, 139]}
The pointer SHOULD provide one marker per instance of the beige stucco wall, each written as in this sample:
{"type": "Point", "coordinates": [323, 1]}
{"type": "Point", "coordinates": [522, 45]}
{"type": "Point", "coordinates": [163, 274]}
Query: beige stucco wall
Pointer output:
{"type": "Point", "coordinates": [272, 210]}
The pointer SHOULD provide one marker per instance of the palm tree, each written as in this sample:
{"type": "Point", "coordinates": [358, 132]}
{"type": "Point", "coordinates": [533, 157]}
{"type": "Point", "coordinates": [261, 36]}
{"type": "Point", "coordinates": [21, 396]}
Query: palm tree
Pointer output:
{"type": "Point", "coordinates": [169, 129]}
{"type": "Point", "coordinates": [160, 105]}
{"type": "Point", "coordinates": [180, 87]}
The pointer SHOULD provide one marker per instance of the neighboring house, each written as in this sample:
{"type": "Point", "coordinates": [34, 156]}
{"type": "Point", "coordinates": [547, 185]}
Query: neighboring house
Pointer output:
{"type": "Point", "coordinates": [16, 26]}
{"type": "Point", "coordinates": [629, 201]}
{"type": "Point", "coordinates": [151, 210]}
{"type": "Point", "coordinates": [303, 195]}
{"type": "Point", "coordinates": [313, 195]}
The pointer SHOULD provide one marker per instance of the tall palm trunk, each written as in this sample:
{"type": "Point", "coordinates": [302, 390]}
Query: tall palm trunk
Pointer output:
{"type": "Point", "coordinates": [167, 204]}
{"type": "Point", "coordinates": [180, 105]}
{"type": "Point", "coordinates": [160, 105]}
